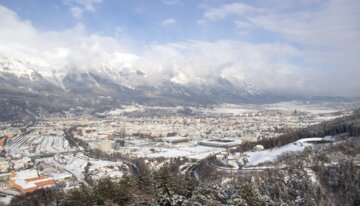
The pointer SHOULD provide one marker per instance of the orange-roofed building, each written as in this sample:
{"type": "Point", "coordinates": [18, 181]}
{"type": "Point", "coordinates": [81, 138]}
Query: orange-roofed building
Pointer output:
{"type": "Point", "coordinates": [30, 183]}
{"type": "Point", "coordinates": [2, 143]}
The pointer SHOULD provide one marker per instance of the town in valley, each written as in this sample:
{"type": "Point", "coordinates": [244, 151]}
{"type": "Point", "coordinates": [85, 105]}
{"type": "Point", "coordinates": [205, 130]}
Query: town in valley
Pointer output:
{"type": "Point", "coordinates": [63, 149]}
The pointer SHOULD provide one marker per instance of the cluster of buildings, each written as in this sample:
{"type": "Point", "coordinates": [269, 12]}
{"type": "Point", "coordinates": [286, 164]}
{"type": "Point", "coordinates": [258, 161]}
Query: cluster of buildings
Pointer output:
{"type": "Point", "coordinates": [41, 155]}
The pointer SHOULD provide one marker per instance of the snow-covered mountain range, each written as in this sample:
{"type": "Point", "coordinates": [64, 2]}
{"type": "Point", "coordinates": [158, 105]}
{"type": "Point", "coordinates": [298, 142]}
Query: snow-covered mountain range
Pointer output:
{"type": "Point", "coordinates": [112, 85]}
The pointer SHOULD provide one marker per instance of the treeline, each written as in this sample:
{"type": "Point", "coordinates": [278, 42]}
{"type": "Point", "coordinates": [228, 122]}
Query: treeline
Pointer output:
{"type": "Point", "coordinates": [336, 168]}
{"type": "Point", "coordinates": [269, 187]}
{"type": "Point", "coordinates": [336, 184]}
{"type": "Point", "coordinates": [341, 181]}
{"type": "Point", "coordinates": [161, 188]}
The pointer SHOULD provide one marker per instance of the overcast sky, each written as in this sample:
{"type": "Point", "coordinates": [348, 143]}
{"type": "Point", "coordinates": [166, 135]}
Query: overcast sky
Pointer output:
{"type": "Point", "coordinates": [300, 46]}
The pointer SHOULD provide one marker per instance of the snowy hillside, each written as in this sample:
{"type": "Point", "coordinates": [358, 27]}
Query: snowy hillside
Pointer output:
{"type": "Point", "coordinates": [16, 67]}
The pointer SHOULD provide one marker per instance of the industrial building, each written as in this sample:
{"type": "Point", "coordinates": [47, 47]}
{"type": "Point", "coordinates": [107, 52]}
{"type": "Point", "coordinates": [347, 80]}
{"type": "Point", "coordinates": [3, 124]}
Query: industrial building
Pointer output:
{"type": "Point", "coordinates": [176, 139]}
{"type": "Point", "coordinates": [220, 143]}
{"type": "Point", "coordinates": [27, 181]}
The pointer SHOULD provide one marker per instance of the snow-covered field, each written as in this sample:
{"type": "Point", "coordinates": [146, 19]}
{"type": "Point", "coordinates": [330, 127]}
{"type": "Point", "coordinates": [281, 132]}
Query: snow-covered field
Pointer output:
{"type": "Point", "coordinates": [255, 158]}
{"type": "Point", "coordinates": [271, 155]}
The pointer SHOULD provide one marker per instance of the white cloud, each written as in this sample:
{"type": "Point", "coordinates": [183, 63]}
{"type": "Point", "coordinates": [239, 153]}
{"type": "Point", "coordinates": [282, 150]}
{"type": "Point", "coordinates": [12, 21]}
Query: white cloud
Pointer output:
{"type": "Point", "coordinates": [72, 48]}
{"type": "Point", "coordinates": [330, 36]}
{"type": "Point", "coordinates": [168, 22]}
{"type": "Point", "coordinates": [198, 62]}
{"type": "Point", "coordinates": [214, 14]}
{"type": "Point", "coordinates": [326, 31]}
{"type": "Point", "coordinates": [77, 7]}
{"type": "Point", "coordinates": [335, 23]}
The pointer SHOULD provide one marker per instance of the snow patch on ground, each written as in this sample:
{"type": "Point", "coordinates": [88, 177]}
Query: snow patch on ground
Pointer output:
{"type": "Point", "coordinates": [271, 155]}
{"type": "Point", "coordinates": [255, 158]}
{"type": "Point", "coordinates": [6, 200]}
